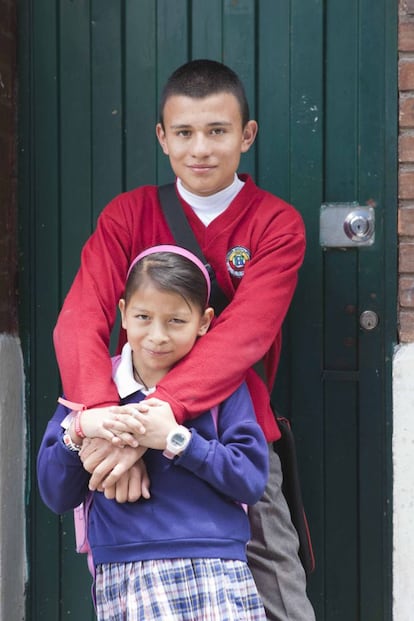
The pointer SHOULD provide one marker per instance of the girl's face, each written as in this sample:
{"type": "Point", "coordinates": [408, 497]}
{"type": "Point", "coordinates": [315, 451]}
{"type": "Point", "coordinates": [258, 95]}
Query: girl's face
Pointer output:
{"type": "Point", "coordinates": [161, 329]}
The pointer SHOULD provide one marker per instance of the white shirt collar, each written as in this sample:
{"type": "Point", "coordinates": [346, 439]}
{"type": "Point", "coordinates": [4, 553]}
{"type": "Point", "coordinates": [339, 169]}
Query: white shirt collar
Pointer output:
{"type": "Point", "coordinates": [207, 208]}
{"type": "Point", "coordinates": [123, 375]}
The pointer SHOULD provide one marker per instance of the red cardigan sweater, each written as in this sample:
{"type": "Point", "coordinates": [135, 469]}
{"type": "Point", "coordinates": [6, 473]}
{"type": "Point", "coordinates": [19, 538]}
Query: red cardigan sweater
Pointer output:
{"type": "Point", "coordinates": [248, 330]}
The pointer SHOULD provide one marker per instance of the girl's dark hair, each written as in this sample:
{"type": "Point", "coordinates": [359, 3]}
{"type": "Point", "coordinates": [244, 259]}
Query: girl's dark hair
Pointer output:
{"type": "Point", "coordinates": [169, 272]}
{"type": "Point", "coordinates": [201, 78]}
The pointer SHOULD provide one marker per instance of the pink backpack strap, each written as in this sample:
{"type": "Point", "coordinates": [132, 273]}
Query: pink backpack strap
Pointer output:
{"type": "Point", "coordinates": [116, 361]}
{"type": "Point", "coordinates": [81, 517]}
{"type": "Point", "coordinates": [214, 414]}
{"type": "Point", "coordinates": [81, 513]}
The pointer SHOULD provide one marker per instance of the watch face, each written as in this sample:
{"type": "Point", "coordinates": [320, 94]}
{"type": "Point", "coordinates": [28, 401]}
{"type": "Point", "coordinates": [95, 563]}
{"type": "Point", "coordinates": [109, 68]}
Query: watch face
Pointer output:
{"type": "Point", "coordinates": [178, 439]}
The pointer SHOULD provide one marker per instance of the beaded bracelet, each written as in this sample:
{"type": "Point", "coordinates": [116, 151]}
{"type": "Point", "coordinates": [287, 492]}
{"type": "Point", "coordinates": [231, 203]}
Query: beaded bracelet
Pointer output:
{"type": "Point", "coordinates": [78, 426]}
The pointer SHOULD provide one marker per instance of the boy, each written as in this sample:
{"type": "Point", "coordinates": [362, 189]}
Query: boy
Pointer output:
{"type": "Point", "coordinates": [255, 243]}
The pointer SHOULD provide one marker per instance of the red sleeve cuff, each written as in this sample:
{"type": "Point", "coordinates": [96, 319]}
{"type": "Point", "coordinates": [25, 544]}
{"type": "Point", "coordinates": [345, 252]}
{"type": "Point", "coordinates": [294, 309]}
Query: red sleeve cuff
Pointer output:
{"type": "Point", "coordinates": [178, 409]}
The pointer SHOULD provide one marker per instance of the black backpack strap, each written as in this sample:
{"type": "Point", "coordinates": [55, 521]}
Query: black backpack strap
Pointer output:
{"type": "Point", "coordinates": [184, 236]}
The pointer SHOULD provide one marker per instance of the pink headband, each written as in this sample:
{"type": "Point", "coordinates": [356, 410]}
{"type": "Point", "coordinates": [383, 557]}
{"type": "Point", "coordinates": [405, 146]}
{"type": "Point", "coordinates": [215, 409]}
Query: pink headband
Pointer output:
{"type": "Point", "coordinates": [175, 250]}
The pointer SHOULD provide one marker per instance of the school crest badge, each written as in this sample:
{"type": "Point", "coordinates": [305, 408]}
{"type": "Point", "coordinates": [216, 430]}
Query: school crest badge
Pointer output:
{"type": "Point", "coordinates": [236, 260]}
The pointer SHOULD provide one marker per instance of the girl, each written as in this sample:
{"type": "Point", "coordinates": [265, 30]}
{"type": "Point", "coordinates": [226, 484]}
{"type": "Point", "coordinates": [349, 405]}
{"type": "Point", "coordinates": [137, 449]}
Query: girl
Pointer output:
{"type": "Point", "coordinates": [181, 553]}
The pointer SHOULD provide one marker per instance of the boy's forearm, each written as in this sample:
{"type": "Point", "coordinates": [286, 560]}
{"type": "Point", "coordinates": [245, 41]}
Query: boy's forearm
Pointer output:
{"type": "Point", "coordinates": [82, 332]}
{"type": "Point", "coordinates": [88, 384]}
{"type": "Point", "coordinates": [247, 329]}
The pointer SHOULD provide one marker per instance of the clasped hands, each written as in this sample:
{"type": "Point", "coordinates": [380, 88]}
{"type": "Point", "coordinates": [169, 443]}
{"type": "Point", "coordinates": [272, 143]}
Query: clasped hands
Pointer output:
{"type": "Point", "coordinates": [116, 439]}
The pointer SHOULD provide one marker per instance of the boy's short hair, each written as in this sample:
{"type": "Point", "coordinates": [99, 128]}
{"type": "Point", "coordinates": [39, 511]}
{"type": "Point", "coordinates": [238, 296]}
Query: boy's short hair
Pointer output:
{"type": "Point", "coordinates": [202, 78]}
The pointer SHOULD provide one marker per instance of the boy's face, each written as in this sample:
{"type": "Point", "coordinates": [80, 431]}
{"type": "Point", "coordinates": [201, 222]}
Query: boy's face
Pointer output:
{"type": "Point", "coordinates": [204, 139]}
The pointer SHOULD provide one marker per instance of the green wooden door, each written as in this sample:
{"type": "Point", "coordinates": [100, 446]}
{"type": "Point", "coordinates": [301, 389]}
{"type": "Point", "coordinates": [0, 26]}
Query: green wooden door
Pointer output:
{"type": "Point", "coordinates": [321, 79]}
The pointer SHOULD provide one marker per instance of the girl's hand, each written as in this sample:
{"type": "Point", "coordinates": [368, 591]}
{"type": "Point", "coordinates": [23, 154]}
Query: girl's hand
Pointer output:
{"type": "Point", "coordinates": [124, 420]}
{"type": "Point", "coordinates": [92, 425]}
{"type": "Point", "coordinates": [149, 422]}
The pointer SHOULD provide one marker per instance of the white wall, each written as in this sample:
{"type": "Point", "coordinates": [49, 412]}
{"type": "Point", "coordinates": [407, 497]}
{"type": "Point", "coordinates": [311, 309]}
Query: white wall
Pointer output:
{"type": "Point", "coordinates": [12, 480]}
{"type": "Point", "coordinates": [403, 461]}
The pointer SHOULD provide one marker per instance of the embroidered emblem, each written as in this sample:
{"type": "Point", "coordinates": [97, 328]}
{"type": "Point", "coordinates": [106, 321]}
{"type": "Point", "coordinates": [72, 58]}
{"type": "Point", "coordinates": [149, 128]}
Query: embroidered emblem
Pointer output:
{"type": "Point", "coordinates": [236, 260]}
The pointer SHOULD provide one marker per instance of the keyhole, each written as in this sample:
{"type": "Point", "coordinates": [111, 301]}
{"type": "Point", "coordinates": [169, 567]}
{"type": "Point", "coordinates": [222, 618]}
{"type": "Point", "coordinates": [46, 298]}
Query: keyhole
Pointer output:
{"type": "Point", "coordinates": [359, 225]}
{"type": "Point", "coordinates": [368, 320]}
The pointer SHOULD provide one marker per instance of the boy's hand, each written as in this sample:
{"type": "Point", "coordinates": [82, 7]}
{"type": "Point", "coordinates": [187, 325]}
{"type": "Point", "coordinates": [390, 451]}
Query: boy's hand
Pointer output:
{"type": "Point", "coordinates": [133, 485]}
{"type": "Point", "coordinates": [149, 422]}
{"type": "Point", "coordinates": [107, 463]}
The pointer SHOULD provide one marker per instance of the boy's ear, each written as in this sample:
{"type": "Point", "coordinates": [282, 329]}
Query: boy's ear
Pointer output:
{"type": "Point", "coordinates": [159, 130]}
{"type": "Point", "coordinates": [206, 320]}
{"type": "Point", "coordinates": [249, 135]}
{"type": "Point", "coordinates": [121, 306]}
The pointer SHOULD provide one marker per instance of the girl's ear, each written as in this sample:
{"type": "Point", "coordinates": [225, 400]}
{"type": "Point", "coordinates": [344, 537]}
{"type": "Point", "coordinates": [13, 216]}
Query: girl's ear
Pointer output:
{"type": "Point", "coordinates": [121, 306]}
{"type": "Point", "coordinates": [205, 321]}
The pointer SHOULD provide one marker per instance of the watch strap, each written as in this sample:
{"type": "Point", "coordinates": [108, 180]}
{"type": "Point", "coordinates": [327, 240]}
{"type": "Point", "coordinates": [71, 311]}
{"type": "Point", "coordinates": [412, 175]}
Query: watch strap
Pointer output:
{"type": "Point", "coordinates": [169, 451]}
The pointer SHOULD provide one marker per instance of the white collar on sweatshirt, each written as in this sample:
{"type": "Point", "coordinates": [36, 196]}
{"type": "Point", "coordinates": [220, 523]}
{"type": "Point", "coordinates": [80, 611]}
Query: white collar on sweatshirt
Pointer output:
{"type": "Point", "coordinates": [207, 208]}
{"type": "Point", "coordinates": [124, 375]}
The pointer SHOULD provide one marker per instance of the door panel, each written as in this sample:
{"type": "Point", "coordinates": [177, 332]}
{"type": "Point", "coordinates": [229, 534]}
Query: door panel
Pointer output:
{"type": "Point", "coordinates": [321, 80]}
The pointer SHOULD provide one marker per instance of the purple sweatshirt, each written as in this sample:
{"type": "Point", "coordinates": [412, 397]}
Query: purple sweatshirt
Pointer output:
{"type": "Point", "coordinates": [194, 510]}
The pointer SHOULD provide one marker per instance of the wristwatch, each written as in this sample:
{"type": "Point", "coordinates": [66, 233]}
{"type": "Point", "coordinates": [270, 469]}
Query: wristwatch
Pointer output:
{"type": "Point", "coordinates": [177, 441]}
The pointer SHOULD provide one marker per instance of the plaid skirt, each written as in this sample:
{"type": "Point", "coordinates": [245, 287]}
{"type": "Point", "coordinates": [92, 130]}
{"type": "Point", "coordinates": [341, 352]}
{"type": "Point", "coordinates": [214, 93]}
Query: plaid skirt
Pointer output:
{"type": "Point", "coordinates": [177, 590]}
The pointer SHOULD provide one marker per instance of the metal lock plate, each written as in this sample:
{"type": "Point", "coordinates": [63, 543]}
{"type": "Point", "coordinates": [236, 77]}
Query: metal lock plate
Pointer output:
{"type": "Point", "coordinates": [368, 320]}
{"type": "Point", "coordinates": [346, 225]}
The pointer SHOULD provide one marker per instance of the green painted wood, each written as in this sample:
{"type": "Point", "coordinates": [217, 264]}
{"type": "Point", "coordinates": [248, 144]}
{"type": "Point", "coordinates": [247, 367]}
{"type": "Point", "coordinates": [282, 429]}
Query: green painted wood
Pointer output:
{"type": "Point", "coordinates": [75, 152]}
{"type": "Point", "coordinates": [341, 318]}
{"type": "Point", "coordinates": [107, 103]}
{"type": "Point", "coordinates": [373, 280]}
{"type": "Point", "coordinates": [239, 45]}
{"type": "Point", "coordinates": [273, 103]}
{"type": "Point", "coordinates": [76, 581]}
{"type": "Point", "coordinates": [321, 80]}
{"type": "Point", "coordinates": [272, 156]}
{"type": "Point", "coordinates": [341, 101]}
{"type": "Point", "coordinates": [44, 527]}
{"type": "Point", "coordinates": [207, 29]}
{"type": "Point", "coordinates": [305, 403]}
{"type": "Point", "coordinates": [172, 45]}
{"type": "Point", "coordinates": [341, 561]}
{"type": "Point", "coordinates": [140, 93]}
{"type": "Point", "coordinates": [76, 223]}
{"type": "Point", "coordinates": [389, 233]}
